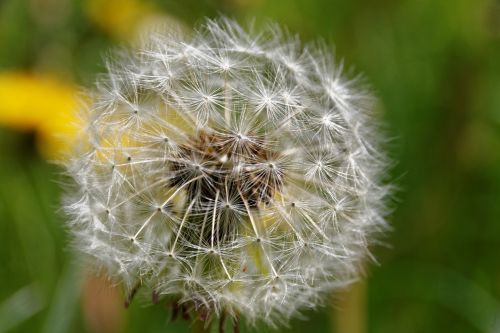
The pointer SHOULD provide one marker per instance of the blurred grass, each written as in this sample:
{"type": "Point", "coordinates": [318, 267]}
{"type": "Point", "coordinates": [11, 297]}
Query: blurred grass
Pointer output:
{"type": "Point", "coordinates": [435, 66]}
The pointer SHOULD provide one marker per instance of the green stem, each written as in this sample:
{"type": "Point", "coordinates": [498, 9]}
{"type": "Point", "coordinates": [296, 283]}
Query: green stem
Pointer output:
{"type": "Point", "coordinates": [200, 327]}
{"type": "Point", "coordinates": [349, 309]}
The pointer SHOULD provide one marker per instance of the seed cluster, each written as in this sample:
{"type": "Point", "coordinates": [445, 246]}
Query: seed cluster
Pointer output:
{"type": "Point", "coordinates": [231, 164]}
{"type": "Point", "coordinates": [238, 174]}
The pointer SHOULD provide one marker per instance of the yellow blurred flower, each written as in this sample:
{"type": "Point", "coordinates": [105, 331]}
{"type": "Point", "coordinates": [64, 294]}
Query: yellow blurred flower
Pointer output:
{"type": "Point", "coordinates": [118, 18]}
{"type": "Point", "coordinates": [128, 19]}
{"type": "Point", "coordinates": [42, 104]}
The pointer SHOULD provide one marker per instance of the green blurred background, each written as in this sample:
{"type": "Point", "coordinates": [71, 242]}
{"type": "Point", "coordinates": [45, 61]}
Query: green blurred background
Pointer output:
{"type": "Point", "coordinates": [434, 64]}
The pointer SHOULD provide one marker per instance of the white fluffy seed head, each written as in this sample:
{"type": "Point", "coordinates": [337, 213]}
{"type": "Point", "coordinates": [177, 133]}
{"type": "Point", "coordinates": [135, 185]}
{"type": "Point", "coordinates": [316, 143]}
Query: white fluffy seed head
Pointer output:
{"type": "Point", "coordinates": [238, 172]}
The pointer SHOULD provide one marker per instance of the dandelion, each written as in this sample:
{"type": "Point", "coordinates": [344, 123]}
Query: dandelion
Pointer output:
{"type": "Point", "coordinates": [234, 174]}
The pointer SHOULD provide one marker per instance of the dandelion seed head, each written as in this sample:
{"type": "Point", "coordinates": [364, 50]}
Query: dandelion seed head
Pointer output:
{"type": "Point", "coordinates": [239, 172]}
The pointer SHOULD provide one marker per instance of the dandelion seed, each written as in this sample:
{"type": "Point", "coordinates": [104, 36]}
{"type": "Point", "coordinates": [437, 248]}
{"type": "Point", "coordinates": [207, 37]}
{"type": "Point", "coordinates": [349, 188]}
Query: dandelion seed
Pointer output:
{"type": "Point", "coordinates": [236, 173]}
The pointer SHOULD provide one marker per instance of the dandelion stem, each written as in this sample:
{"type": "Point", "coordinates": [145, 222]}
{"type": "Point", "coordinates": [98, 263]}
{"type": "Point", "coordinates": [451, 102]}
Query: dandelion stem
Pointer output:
{"type": "Point", "coordinates": [349, 310]}
{"type": "Point", "coordinates": [200, 326]}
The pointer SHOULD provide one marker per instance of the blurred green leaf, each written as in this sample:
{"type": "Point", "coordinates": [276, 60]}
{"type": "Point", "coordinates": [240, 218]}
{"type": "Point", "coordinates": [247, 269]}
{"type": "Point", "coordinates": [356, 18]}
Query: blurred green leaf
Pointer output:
{"type": "Point", "coordinates": [21, 306]}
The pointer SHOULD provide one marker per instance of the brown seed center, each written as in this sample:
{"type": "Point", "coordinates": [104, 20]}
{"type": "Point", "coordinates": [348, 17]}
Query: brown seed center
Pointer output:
{"type": "Point", "coordinates": [234, 165]}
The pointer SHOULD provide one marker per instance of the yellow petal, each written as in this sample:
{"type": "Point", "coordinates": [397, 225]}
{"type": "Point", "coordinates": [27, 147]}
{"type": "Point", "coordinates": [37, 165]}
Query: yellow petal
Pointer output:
{"type": "Point", "coordinates": [41, 104]}
{"type": "Point", "coordinates": [118, 18]}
